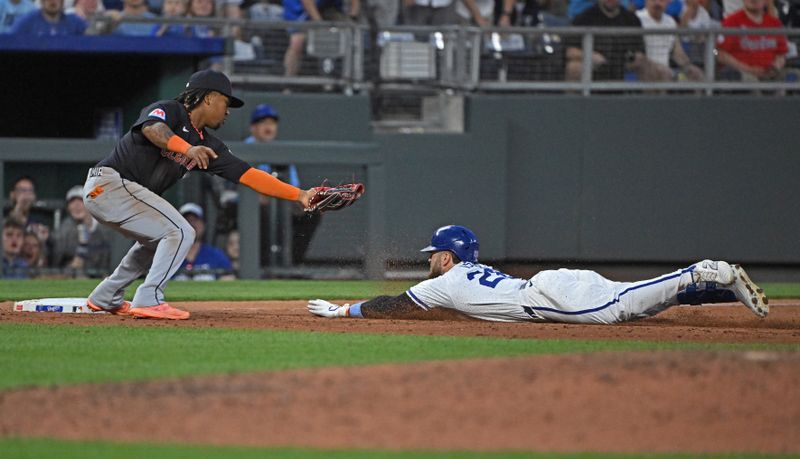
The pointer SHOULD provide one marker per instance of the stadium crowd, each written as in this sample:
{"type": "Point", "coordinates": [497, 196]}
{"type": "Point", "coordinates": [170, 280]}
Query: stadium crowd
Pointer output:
{"type": "Point", "coordinates": [39, 243]}
{"type": "Point", "coordinates": [656, 58]}
{"type": "Point", "coordinates": [384, 13]}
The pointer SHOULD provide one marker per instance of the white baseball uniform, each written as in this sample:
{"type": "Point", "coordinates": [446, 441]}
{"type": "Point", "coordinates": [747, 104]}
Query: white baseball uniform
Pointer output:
{"type": "Point", "coordinates": [564, 295]}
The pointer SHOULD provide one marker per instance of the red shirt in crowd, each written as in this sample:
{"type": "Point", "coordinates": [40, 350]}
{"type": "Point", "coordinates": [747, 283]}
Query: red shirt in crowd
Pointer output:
{"type": "Point", "coordinates": [754, 50]}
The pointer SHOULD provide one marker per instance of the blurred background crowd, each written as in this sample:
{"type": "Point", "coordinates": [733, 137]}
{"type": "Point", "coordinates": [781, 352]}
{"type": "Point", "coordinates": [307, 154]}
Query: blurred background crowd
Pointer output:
{"type": "Point", "coordinates": [656, 58]}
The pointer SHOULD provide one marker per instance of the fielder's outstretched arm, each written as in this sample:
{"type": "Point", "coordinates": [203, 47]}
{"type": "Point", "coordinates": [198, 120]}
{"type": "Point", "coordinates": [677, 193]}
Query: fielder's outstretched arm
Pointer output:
{"type": "Point", "coordinates": [383, 307]}
{"type": "Point", "coordinates": [163, 137]}
{"type": "Point", "coordinates": [268, 185]}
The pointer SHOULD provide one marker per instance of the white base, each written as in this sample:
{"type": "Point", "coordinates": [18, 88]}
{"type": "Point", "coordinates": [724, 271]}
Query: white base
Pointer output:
{"type": "Point", "coordinates": [65, 305]}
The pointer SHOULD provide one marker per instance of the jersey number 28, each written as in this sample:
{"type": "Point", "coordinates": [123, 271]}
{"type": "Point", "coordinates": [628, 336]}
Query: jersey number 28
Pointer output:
{"type": "Point", "coordinates": [486, 275]}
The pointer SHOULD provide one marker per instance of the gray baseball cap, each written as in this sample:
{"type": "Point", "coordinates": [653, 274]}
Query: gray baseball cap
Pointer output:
{"type": "Point", "coordinates": [192, 208]}
{"type": "Point", "coordinates": [215, 81]}
{"type": "Point", "coordinates": [75, 192]}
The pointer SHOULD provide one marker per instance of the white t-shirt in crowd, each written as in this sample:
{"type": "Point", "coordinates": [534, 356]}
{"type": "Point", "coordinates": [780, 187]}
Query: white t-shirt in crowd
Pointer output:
{"type": "Point", "coordinates": [702, 20]}
{"type": "Point", "coordinates": [485, 7]}
{"type": "Point", "coordinates": [658, 47]}
{"type": "Point", "coordinates": [434, 3]}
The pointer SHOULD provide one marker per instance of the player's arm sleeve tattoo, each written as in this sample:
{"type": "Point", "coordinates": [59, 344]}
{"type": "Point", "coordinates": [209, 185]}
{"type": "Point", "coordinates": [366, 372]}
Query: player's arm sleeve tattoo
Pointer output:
{"type": "Point", "coordinates": [390, 307]}
{"type": "Point", "coordinates": [403, 307]}
{"type": "Point", "coordinates": [158, 133]}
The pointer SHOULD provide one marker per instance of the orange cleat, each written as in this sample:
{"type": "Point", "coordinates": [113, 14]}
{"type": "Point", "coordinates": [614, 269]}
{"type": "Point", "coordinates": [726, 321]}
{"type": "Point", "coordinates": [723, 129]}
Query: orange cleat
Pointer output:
{"type": "Point", "coordinates": [159, 311]}
{"type": "Point", "coordinates": [122, 310]}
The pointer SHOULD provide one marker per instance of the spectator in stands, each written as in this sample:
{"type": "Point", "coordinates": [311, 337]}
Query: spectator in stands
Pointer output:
{"type": "Point", "coordinates": [201, 9]}
{"type": "Point", "coordinates": [50, 21]}
{"type": "Point", "coordinates": [231, 9]}
{"type": "Point", "coordinates": [752, 57]}
{"type": "Point", "coordinates": [33, 253]}
{"type": "Point", "coordinates": [659, 48]}
{"type": "Point", "coordinates": [173, 9]}
{"type": "Point", "coordinates": [488, 12]}
{"type": "Point", "coordinates": [21, 201]}
{"type": "Point", "coordinates": [263, 124]}
{"type": "Point", "coordinates": [113, 5]}
{"type": "Point", "coordinates": [14, 265]}
{"type": "Point", "coordinates": [81, 245]}
{"type": "Point", "coordinates": [264, 128]}
{"type": "Point", "coordinates": [695, 15]}
{"type": "Point", "coordinates": [135, 9]}
{"type": "Point", "coordinates": [232, 250]}
{"type": "Point", "coordinates": [84, 9]}
{"type": "Point", "coordinates": [204, 262]}
{"type": "Point", "coordinates": [11, 10]}
{"type": "Point", "coordinates": [264, 10]}
{"type": "Point", "coordinates": [673, 8]}
{"type": "Point", "coordinates": [155, 6]}
{"type": "Point", "coordinates": [731, 6]}
{"type": "Point", "coordinates": [93, 9]}
{"type": "Point", "coordinates": [789, 13]}
{"type": "Point", "coordinates": [310, 10]}
{"type": "Point", "coordinates": [21, 198]}
{"type": "Point", "coordinates": [440, 12]}
{"type": "Point", "coordinates": [577, 7]}
{"type": "Point", "coordinates": [612, 55]}
{"type": "Point", "coordinates": [381, 13]}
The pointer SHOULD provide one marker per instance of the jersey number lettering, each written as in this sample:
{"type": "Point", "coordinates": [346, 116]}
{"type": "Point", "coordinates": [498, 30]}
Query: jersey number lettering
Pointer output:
{"type": "Point", "coordinates": [486, 274]}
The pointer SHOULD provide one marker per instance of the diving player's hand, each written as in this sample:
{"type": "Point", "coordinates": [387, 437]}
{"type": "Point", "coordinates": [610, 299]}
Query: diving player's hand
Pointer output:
{"type": "Point", "coordinates": [201, 155]}
{"type": "Point", "coordinates": [323, 308]}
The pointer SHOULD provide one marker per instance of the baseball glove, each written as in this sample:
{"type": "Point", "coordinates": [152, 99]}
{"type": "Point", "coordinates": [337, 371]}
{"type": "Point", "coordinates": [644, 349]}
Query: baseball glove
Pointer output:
{"type": "Point", "coordinates": [334, 197]}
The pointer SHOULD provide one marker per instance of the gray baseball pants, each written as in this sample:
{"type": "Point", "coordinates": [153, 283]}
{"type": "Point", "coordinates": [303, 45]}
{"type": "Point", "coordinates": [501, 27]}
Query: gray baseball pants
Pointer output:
{"type": "Point", "coordinates": [163, 237]}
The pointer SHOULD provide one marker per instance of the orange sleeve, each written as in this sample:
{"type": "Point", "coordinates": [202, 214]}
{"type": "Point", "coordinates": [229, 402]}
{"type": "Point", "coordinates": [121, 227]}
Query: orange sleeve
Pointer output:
{"type": "Point", "coordinates": [178, 145]}
{"type": "Point", "coordinates": [268, 185]}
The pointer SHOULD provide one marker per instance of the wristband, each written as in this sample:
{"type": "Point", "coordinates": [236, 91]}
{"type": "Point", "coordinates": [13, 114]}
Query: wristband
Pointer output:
{"type": "Point", "coordinates": [178, 145]}
{"type": "Point", "coordinates": [355, 310]}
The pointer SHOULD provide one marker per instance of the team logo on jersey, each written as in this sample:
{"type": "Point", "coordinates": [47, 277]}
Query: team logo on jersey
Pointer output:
{"type": "Point", "coordinates": [183, 160]}
{"type": "Point", "coordinates": [158, 113]}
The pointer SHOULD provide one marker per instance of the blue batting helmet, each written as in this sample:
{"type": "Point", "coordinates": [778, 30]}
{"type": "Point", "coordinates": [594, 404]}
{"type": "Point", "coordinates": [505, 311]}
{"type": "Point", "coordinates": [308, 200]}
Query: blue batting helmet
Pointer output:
{"type": "Point", "coordinates": [263, 111]}
{"type": "Point", "coordinates": [457, 239]}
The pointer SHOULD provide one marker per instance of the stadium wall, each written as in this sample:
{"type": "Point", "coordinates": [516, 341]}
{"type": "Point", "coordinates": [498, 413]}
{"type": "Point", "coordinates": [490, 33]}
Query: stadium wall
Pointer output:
{"type": "Point", "coordinates": [560, 178]}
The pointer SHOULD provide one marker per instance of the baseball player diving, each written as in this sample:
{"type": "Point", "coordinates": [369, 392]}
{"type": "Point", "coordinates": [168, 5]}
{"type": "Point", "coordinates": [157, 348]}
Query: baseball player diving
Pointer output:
{"type": "Point", "coordinates": [460, 286]}
{"type": "Point", "coordinates": [123, 191]}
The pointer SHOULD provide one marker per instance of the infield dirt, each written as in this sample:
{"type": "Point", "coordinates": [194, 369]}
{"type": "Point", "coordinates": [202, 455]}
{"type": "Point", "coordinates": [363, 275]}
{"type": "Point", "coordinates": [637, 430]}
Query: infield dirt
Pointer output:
{"type": "Point", "coordinates": [703, 402]}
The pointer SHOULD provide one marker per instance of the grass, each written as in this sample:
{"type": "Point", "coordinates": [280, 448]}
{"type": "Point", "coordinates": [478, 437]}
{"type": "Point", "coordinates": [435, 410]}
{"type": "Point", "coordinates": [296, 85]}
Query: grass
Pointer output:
{"type": "Point", "coordinates": [782, 290]}
{"type": "Point", "coordinates": [41, 355]}
{"type": "Point", "coordinates": [250, 290]}
{"type": "Point", "coordinates": [37, 448]}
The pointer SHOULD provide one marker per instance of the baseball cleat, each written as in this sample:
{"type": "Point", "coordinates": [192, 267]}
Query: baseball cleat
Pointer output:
{"type": "Point", "coordinates": [160, 311]}
{"type": "Point", "coordinates": [713, 271]}
{"type": "Point", "coordinates": [123, 310]}
{"type": "Point", "coordinates": [749, 293]}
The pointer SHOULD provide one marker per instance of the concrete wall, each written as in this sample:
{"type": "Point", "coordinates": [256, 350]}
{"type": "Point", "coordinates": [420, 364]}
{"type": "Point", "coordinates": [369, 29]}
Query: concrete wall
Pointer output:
{"type": "Point", "coordinates": [606, 179]}
{"type": "Point", "coordinates": [662, 179]}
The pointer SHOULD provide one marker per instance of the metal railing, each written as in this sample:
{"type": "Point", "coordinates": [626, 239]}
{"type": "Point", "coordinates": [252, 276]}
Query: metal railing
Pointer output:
{"type": "Point", "coordinates": [352, 56]}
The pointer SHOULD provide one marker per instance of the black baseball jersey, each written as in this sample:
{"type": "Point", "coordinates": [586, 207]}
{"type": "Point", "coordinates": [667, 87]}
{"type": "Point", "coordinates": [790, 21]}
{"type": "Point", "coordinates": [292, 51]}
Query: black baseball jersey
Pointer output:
{"type": "Point", "coordinates": [139, 160]}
